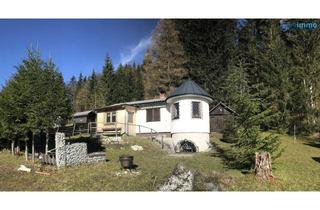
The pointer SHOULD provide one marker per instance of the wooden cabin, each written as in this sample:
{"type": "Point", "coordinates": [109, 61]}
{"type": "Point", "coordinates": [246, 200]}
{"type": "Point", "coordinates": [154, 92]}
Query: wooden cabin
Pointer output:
{"type": "Point", "coordinates": [220, 116]}
{"type": "Point", "coordinates": [84, 122]}
{"type": "Point", "coordinates": [84, 117]}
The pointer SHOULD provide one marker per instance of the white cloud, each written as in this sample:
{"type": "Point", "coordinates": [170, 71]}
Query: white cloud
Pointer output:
{"type": "Point", "coordinates": [135, 50]}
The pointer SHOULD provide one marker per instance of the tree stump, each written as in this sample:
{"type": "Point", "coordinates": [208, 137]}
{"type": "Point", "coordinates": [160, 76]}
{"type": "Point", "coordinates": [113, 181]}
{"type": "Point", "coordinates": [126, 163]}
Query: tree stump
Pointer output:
{"type": "Point", "coordinates": [263, 168]}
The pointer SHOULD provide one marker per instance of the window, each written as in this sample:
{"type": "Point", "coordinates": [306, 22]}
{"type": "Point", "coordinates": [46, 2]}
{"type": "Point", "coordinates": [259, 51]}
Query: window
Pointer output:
{"type": "Point", "coordinates": [175, 113]}
{"type": "Point", "coordinates": [130, 117]}
{"type": "Point", "coordinates": [196, 109]}
{"type": "Point", "coordinates": [153, 115]}
{"type": "Point", "coordinates": [111, 117]}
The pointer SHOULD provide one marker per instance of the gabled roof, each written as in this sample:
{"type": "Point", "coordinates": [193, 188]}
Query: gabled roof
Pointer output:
{"type": "Point", "coordinates": [189, 87]}
{"type": "Point", "coordinates": [224, 106]}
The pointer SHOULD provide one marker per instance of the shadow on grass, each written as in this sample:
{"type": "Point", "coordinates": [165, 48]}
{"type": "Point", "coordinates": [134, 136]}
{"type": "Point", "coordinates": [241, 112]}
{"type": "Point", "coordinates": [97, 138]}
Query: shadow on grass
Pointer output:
{"type": "Point", "coordinates": [316, 159]}
{"type": "Point", "coordinates": [313, 144]}
{"type": "Point", "coordinates": [227, 157]}
{"type": "Point", "coordinates": [134, 167]}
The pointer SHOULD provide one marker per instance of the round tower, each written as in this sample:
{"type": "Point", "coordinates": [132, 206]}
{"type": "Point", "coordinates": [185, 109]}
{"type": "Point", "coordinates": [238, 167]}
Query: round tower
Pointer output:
{"type": "Point", "coordinates": [190, 121]}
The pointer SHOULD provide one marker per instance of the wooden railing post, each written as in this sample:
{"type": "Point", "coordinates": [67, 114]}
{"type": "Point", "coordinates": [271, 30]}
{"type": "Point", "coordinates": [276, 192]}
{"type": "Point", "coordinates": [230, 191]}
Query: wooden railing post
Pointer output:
{"type": "Point", "coordinates": [74, 127]}
{"type": "Point", "coordinates": [116, 130]}
{"type": "Point", "coordinates": [162, 142]}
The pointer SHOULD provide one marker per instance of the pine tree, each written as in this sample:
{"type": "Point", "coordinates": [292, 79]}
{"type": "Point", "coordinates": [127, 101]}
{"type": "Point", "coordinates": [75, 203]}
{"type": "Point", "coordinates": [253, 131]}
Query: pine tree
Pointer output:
{"type": "Point", "coordinates": [138, 84]}
{"type": "Point", "coordinates": [82, 102]}
{"type": "Point", "coordinates": [210, 47]}
{"type": "Point", "coordinates": [305, 96]}
{"type": "Point", "coordinates": [72, 91]}
{"type": "Point", "coordinates": [262, 47]}
{"type": "Point", "coordinates": [55, 106]}
{"type": "Point", "coordinates": [92, 90]}
{"type": "Point", "coordinates": [106, 84]}
{"type": "Point", "coordinates": [246, 130]}
{"type": "Point", "coordinates": [164, 61]}
{"type": "Point", "coordinates": [34, 99]}
{"type": "Point", "coordinates": [122, 87]}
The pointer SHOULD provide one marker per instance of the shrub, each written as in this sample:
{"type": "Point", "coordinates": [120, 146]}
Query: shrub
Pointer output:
{"type": "Point", "coordinates": [230, 135]}
{"type": "Point", "coordinates": [250, 141]}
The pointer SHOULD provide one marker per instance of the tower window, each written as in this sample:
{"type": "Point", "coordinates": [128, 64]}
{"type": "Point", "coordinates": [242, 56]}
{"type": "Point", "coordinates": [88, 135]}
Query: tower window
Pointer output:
{"type": "Point", "coordinates": [175, 111]}
{"type": "Point", "coordinates": [196, 109]}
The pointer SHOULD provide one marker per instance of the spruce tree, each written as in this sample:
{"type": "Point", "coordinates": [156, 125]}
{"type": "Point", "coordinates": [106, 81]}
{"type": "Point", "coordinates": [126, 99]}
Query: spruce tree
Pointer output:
{"type": "Point", "coordinates": [72, 91]}
{"type": "Point", "coordinates": [34, 99]}
{"type": "Point", "coordinates": [138, 83]}
{"type": "Point", "coordinates": [106, 84]}
{"type": "Point", "coordinates": [121, 91]}
{"type": "Point", "coordinates": [304, 47]}
{"type": "Point", "coordinates": [246, 130]}
{"type": "Point", "coordinates": [93, 90]}
{"type": "Point", "coordinates": [263, 48]}
{"type": "Point", "coordinates": [209, 46]}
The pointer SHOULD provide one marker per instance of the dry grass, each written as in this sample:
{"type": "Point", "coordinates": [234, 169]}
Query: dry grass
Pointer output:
{"type": "Point", "coordinates": [295, 170]}
{"type": "Point", "coordinates": [298, 168]}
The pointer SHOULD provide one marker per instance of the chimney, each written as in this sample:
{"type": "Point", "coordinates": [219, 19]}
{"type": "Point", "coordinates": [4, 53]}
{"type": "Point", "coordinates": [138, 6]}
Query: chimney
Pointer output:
{"type": "Point", "coordinates": [162, 94]}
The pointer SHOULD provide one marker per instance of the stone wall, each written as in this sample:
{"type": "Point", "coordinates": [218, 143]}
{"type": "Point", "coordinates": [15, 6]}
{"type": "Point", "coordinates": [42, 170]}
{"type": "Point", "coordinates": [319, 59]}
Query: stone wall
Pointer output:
{"type": "Point", "coordinates": [60, 149]}
{"type": "Point", "coordinates": [69, 153]}
{"type": "Point", "coordinates": [76, 153]}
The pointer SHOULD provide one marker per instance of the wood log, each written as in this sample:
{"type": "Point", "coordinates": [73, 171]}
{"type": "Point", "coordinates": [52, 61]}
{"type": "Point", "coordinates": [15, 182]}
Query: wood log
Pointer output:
{"type": "Point", "coordinates": [263, 168]}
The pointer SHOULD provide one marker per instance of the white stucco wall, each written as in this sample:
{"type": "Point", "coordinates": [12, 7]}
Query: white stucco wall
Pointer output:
{"type": "Point", "coordinates": [200, 140]}
{"type": "Point", "coordinates": [164, 125]}
{"type": "Point", "coordinates": [195, 130]}
{"type": "Point", "coordinates": [187, 124]}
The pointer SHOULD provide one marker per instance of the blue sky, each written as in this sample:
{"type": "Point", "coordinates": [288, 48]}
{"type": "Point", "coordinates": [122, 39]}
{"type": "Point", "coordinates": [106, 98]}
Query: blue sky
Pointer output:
{"type": "Point", "coordinates": [75, 45]}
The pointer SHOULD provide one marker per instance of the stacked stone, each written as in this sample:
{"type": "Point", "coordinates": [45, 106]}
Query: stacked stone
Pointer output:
{"type": "Point", "coordinates": [76, 153]}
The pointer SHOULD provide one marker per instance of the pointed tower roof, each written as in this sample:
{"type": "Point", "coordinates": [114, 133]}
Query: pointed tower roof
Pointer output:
{"type": "Point", "coordinates": [189, 87]}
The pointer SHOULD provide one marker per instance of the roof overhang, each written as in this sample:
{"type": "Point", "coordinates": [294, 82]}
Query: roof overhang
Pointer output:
{"type": "Point", "coordinates": [83, 114]}
{"type": "Point", "coordinates": [177, 97]}
{"type": "Point", "coordinates": [111, 108]}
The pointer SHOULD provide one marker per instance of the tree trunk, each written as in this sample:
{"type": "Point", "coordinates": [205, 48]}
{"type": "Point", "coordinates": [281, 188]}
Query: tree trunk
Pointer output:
{"type": "Point", "coordinates": [47, 142]}
{"type": "Point", "coordinates": [32, 146]}
{"type": "Point", "coordinates": [12, 147]}
{"type": "Point", "coordinates": [18, 147]}
{"type": "Point", "coordinates": [263, 169]}
{"type": "Point", "coordinates": [26, 150]}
